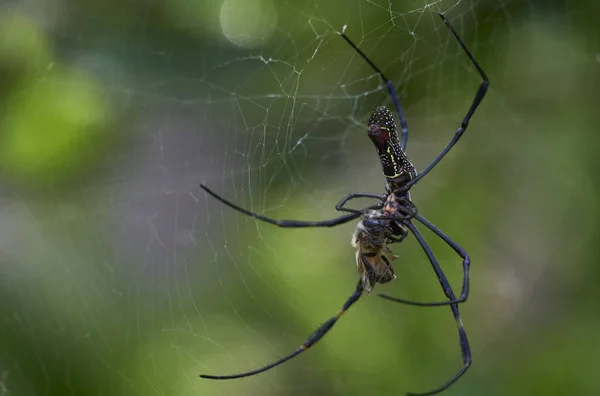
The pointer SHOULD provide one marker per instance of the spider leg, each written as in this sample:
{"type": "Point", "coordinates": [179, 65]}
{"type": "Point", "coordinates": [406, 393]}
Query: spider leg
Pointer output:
{"type": "Point", "coordinates": [390, 88]}
{"type": "Point", "coordinates": [466, 265]}
{"type": "Point", "coordinates": [310, 341]}
{"type": "Point", "coordinates": [286, 223]}
{"type": "Point", "coordinates": [462, 335]}
{"type": "Point", "coordinates": [464, 294]}
{"type": "Point", "coordinates": [483, 87]}
{"type": "Point", "coordinates": [340, 206]}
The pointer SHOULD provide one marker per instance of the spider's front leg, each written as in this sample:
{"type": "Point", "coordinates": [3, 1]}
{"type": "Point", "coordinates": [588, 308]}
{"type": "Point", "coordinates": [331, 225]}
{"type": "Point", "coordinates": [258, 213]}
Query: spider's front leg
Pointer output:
{"type": "Point", "coordinates": [340, 205]}
{"type": "Point", "coordinates": [310, 341]}
{"type": "Point", "coordinates": [466, 264]}
{"type": "Point", "coordinates": [399, 232]}
{"type": "Point", "coordinates": [354, 214]}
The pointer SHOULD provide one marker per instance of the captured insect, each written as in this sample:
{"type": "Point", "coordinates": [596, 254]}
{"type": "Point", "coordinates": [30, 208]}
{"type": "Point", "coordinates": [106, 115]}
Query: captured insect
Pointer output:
{"type": "Point", "coordinates": [388, 221]}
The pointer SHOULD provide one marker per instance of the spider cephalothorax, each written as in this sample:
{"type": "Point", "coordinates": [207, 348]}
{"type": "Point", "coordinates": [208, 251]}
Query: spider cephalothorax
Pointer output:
{"type": "Point", "coordinates": [388, 221]}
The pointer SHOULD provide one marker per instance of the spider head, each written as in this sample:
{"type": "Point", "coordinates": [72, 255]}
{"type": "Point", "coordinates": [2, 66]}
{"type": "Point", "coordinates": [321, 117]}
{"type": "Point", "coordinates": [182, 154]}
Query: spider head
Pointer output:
{"type": "Point", "coordinates": [383, 133]}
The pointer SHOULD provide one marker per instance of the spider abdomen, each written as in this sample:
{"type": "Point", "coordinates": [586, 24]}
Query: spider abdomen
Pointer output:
{"type": "Point", "coordinates": [395, 165]}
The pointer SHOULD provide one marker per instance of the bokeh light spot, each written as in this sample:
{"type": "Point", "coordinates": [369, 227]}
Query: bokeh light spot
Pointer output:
{"type": "Point", "coordinates": [248, 24]}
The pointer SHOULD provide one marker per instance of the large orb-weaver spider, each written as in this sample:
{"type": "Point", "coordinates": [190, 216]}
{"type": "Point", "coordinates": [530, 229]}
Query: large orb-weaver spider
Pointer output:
{"type": "Point", "coordinates": [389, 221]}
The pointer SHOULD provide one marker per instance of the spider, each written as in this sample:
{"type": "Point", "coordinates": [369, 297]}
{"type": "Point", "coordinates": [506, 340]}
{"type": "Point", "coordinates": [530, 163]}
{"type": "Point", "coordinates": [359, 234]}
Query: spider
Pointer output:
{"type": "Point", "coordinates": [389, 221]}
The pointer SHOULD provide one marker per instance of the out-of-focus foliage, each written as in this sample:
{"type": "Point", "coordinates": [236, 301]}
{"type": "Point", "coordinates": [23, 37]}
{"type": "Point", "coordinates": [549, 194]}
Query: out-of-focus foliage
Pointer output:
{"type": "Point", "coordinates": [51, 116]}
{"type": "Point", "coordinates": [118, 276]}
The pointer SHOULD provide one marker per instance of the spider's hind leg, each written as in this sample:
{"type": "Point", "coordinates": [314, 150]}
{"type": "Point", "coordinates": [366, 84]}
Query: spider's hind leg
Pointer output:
{"type": "Point", "coordinates": [479, 95]}
{"type": "Point", "coordinates": [390, 87]}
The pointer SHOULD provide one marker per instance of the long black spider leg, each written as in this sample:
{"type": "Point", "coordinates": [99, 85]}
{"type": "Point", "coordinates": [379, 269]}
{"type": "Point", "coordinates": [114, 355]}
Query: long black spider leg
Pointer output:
{"type": "Point", "coordinates": [464, 294]}
{"type": "Point", "coordinates": [483, 87]}
{"type": "Point", "coordinates": [390, 88]}
{"type": "Point", "coordinates": [466, 265]}
{"type": "Point", "coordinates": [310, 341]}
{"type": "Point", "coordinates": [295, 223]}
{"type": "Point", "coordinates": [462, 335]}
{"type": "Point", "coordinates": [340, 206]}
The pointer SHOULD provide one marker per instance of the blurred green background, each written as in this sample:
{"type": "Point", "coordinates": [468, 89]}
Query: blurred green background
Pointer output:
{"type": "Point", "coordinates": [119, 276]}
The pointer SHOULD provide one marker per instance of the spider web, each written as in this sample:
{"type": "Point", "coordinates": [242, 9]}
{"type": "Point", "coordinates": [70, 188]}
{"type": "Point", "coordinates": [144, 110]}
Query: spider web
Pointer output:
{"type": "Point", "coordinates": [124, 278]}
